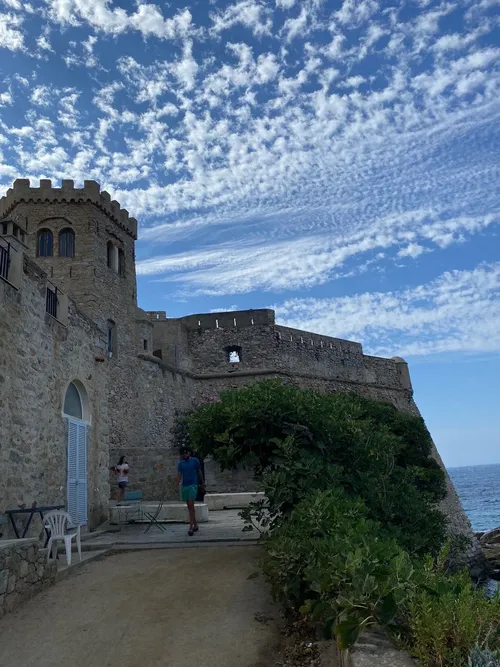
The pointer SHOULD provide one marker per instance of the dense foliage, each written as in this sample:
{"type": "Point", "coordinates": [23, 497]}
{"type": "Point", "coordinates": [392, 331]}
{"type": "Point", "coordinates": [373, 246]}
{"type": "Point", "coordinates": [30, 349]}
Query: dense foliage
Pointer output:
{"type": "Point", "coordinates": [351, 531]}
{"type": "Point", "coordinates": [299, 441]}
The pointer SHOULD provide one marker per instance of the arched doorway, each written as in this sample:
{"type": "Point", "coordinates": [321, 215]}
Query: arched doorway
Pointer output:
{"type": "Point", "coordinates": [76, 412]}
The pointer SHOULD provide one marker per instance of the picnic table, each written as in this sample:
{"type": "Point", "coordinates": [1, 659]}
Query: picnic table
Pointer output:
{"type": "Point", "coordinates": [31, 511]}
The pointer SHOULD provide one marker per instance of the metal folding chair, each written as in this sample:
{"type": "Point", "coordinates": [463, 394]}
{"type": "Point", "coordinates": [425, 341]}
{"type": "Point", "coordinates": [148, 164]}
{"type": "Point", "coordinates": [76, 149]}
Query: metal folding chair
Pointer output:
{"type": "Point", "coordinates": [153, 516]}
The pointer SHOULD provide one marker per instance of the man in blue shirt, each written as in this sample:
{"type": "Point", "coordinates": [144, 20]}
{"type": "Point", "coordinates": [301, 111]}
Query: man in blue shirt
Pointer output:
{"type": "Point", "coordinates": [189, 471]}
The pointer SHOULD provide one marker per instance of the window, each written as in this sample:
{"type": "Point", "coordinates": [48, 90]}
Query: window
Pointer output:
{"type": "Point", "coordinates": [73, 402]}
{"type": "Point", "coordinates": [67, 243]}
{"type": "Point", "coordinates": [110, 254]}
{"type": "Point", "coordinates": [112, 343]}
{"type": "Point", "coordinates": [233, 354]}
{"type": "Point", "coordinates": [45, 243]}
{"type": "Point", "coordinates": [121, 262]}
{"type": "Point", "coordinates": [145, 343]}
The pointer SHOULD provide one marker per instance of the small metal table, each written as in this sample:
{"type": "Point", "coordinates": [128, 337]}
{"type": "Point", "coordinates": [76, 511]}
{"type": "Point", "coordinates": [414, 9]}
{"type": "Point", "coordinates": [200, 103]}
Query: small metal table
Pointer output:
{"type": "Point", "coordinates": [31, 511]}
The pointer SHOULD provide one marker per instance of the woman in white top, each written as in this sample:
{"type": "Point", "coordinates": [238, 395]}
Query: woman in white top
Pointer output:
{"type": "Point", "coordinates": [122, 470]}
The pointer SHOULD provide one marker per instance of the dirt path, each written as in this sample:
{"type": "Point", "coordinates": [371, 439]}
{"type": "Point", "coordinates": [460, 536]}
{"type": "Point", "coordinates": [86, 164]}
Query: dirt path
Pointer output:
{"type": "Point", "coordinates": [169, 607]}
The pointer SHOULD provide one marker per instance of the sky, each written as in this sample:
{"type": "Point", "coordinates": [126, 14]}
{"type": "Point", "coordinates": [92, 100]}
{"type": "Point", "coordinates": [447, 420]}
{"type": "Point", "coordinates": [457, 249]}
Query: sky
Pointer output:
{"type": "Point", "coordinates": [336, 160]}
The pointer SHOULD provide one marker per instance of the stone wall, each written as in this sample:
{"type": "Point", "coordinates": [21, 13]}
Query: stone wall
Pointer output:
{"type": "Point", "coordinates": [39, 357]}
{"type": "Point", "coordinates": [151, 395]}
{"type": "Point", "coordinates": [24, 572]}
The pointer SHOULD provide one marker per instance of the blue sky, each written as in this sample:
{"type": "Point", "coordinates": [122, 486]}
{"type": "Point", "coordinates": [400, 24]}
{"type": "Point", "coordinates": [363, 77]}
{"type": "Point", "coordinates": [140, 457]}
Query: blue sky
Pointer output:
{"type": "Point", "coordinates": [335, 160]}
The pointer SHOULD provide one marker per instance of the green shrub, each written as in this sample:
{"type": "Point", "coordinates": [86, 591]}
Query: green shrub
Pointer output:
{"type": "Point", "coordinates": [328, 560]}
{"type": "Point", "coordinates": [299, 441]}
{"type": "Point", "coordinates": [446, 616]}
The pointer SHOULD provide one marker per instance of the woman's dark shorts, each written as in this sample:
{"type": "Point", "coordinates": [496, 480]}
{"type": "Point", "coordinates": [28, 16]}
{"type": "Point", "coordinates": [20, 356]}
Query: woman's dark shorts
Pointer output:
{"type": "Point", "coordinates": [122, 485]}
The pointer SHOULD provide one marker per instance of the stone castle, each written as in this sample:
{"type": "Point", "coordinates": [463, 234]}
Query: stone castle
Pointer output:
{"type": "Point", "coordinates": [86, 375]}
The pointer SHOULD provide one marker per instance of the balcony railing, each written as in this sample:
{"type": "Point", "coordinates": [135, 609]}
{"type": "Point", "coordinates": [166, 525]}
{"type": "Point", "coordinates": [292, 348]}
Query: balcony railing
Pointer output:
{"type": "Point", "coordinates": [51, 301]}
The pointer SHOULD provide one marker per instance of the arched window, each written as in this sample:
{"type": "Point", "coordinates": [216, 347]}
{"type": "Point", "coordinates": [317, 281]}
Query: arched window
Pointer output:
{"type": "Point", "coordinates": [73, 402]}
{"type": "Point", "coordinates": [67, 243]}
{"type": "Point", "coordinates": [45, 246]}
{"type": "Point", "coordinates": [111, 252]}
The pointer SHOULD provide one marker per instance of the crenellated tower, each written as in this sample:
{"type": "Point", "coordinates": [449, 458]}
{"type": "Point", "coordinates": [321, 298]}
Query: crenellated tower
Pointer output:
{"type": "Point", "coordinates": [84, 241]}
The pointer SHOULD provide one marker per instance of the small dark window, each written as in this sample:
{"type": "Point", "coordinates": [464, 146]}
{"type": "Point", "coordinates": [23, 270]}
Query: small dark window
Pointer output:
{"type": "Point", "coordinates": [45, 243]}
{"type": "Point", "coordinates": [158, 353]}
{"type": "Point", "coordinates": [15, 231]}
{"type": "Point", "coordinates": [145, 344]}
{"type": "Point", "coordinates": [111, 252]}
{"type": "Point", "coordinates": [4, 228]}
{"type": "Point", "coordinates": [112, 344]}
{"type": "Point", "coordinates": [121, 262]}
{"type": "Point", "coordinates": [233, 354]}
{"type": "Point", "coordinates": [67, 243]}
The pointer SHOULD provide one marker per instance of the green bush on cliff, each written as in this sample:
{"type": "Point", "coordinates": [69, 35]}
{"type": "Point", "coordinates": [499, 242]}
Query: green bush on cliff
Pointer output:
{"type": "Point", "coordinates": [299, 441]}
{"type": "Point", "coordinates": [352, 534]}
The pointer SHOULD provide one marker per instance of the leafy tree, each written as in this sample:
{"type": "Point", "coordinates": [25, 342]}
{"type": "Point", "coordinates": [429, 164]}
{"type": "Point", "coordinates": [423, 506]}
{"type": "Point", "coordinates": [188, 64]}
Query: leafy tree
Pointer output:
{"type": "Point", "coordinates": [299, 441]}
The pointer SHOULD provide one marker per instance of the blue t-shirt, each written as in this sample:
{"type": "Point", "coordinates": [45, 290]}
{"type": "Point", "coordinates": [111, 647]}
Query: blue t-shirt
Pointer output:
{"type": "Point", "coordinates": [189, 471]}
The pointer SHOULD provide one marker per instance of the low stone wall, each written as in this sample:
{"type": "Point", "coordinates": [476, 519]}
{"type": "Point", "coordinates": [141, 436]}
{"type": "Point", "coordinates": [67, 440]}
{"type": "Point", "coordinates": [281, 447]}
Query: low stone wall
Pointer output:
{"type": "Point", "coordinates": [24, 572]}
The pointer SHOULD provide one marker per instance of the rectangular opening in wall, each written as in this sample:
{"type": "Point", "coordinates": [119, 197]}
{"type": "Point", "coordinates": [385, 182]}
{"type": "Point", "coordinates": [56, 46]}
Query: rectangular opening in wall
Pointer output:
{"type": "Point", "coordinates": [112, 340]}
{"type": "Point", "coordinates": [51, 301]}
{"type": "Point", "coordinates": [233, 354]}
{"type": "Point", "coordinates": [145, 343]}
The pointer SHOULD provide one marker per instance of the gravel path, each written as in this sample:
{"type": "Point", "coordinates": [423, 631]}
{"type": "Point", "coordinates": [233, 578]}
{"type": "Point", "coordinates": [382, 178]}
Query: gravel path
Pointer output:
{"type": "Point", "coordinates": [168, 607]}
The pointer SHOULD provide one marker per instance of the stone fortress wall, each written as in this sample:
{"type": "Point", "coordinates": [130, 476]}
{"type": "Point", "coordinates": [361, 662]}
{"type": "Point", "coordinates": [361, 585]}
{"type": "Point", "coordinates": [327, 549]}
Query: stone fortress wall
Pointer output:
{"type": "Point", "coordinates": [160, 367]}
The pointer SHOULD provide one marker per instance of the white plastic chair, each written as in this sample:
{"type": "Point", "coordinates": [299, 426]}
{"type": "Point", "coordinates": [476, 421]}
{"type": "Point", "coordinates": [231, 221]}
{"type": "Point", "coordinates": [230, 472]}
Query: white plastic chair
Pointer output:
{"type": "Point", "coordinates": [57, 522]}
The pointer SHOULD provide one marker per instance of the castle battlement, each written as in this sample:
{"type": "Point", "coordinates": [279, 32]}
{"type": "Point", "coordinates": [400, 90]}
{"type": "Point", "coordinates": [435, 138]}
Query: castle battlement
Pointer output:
{"type": "Point", "coordinates": [91, 192]}
{"type": "Point", "coordinates": [228, 319]}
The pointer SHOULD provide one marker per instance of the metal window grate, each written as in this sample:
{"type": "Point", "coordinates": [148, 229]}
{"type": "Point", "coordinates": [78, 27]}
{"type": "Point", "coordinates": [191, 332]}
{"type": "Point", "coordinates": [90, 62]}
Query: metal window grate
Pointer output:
{"type": "Point", "coordinates": [4, 261]}
{"type": "Point", "coordinates": [51, 302]}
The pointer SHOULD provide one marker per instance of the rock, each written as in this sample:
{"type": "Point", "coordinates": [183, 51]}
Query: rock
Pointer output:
{"type": "Point", "coordinates": [23, 568]}
{"type": "Point", "coordinates": [12, 583]}
{"type": "Point", "coordinates": [490, 537]}
{"type": "Point", "coordinates": [4, 580]}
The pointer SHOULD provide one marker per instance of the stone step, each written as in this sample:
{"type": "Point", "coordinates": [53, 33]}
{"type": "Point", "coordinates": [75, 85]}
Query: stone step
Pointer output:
{"type": "Point", "coordinates": [231, 501]}
{"type": "Point", "coordinates": [171, 511]}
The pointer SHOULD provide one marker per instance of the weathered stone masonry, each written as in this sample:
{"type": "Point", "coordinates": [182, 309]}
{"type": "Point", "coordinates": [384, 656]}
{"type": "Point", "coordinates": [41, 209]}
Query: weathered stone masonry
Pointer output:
{"type": "Point", "coordinates": [158, 367]}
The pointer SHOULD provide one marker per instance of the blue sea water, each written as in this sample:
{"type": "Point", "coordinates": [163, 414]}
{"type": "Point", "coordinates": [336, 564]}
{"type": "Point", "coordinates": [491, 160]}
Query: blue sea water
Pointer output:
{"type": "Point", "coordinates": [479, 491]}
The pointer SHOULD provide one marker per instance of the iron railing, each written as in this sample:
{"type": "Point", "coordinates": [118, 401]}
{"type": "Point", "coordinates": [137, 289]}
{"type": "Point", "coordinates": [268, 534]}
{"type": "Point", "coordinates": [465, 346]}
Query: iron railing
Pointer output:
{"type": "Point", "coordinates": [4, 261]}
{"type": "Point", "coordinates": [51, 301]}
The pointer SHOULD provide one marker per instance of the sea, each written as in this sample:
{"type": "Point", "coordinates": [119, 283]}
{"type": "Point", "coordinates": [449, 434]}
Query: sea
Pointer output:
{"type": "Point", "coordinates": [479, 491]}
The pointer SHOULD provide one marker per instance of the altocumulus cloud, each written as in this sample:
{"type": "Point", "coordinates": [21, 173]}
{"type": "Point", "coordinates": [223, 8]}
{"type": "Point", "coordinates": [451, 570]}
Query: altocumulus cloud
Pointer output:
{"type": "Point", "coordinates": [339, 139]}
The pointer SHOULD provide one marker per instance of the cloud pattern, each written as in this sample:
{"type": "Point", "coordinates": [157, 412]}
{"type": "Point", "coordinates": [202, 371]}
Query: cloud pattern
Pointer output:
{"type": "Point", "coordinates": [274, 150]}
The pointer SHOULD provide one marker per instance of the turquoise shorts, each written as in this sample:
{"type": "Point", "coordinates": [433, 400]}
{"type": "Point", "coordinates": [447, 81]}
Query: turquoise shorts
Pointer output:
{"type": "Point", "coordinates": [189, 492]}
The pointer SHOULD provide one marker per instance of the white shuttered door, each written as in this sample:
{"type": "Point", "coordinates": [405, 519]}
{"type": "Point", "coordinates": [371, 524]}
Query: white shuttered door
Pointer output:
{"type": "Point", "coordinates": [77, 471]}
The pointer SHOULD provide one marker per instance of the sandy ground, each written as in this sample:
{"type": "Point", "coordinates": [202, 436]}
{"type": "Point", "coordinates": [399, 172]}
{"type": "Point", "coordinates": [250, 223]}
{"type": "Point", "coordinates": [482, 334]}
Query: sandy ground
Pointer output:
{"type": "Point", "coordinates": [169, 607]}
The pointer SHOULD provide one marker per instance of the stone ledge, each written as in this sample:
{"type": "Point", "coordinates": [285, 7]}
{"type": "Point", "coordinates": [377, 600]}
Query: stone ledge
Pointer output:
{"type": "Point", "coordinates": [230, 501]}
{"type": "Point", "coordinates": [176, 512]}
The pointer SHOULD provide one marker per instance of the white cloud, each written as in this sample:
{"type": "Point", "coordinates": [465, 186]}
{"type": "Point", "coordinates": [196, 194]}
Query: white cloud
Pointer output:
{"type": "Point", "coordinates": [44, 43]}
{"type": "Point", "coordinates": [42, 96]}
{"type": "Point", "coordinates": [6, 98]}
{"type": "Point", "coordinates": [295, 27]}
{"type": "Point", "coordinates": [11, 34]}
{"type": "Point", "coordinates": [457, 312]}
{"type": "Point", "coordinates": [147, 19]}
{"type": "Point", "coordinates": [412, 250]}
{"type": "Point", "coordinates": [253, 14]}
